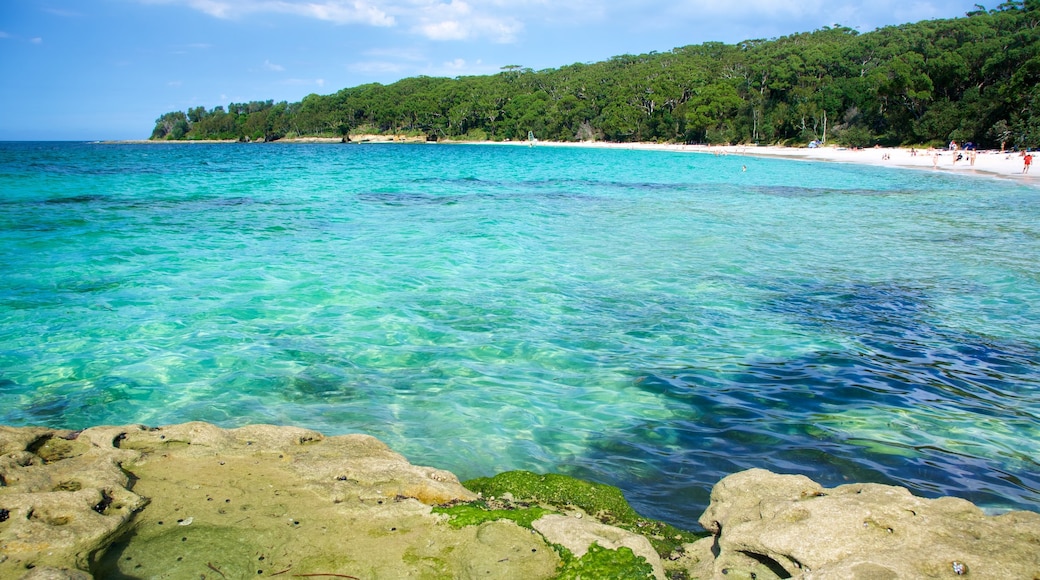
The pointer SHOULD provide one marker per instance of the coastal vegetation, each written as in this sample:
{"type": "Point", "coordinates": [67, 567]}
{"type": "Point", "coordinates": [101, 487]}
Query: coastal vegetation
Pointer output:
{"type": "Point", "coordinates": [604, 502]}
{"type": "Point", "coordinates": [974, 78]}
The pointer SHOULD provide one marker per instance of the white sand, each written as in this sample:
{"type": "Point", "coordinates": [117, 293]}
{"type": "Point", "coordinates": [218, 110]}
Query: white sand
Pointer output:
{"type": "Point", "coordinates": [992, 163]}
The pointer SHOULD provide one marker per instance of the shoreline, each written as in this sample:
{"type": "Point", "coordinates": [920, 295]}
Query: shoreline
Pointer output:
{"type": "Point", "coordinates": [178, 501]}
{"type": "Point", "coordinates": [988, 163]}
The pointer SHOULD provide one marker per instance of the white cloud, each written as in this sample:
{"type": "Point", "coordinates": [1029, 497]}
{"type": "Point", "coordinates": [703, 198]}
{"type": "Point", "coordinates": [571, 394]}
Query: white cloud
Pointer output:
{"type": "Point", "coordinates": [273, 67]}
{"type": "Point", "coordinates": [457, 64]}
{"type": "Point", "coordinates": [375, 67]}
{"type": "Point", "coordinates": [4, 34]}
{"type": "Point", "coordinates": [174, 84]}
{"type": "Point", "coordinates": [629, 21]}
{"type": "Point", "coordinates": [36, 40]}
{"type": "Point", "coordinates": [336, 11]}
{"type": "Point", "coordinates": [461, 67]}
{"type": "Point", "coordinates": [457, 20]}
{"type": "Point", "coordinates": [497, 20]}
{"type": "Point", "coordinates": [444, 30]}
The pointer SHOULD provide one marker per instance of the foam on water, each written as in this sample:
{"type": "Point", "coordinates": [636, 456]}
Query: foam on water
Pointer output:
{"type": "Point", "coordinates": [651, 320]}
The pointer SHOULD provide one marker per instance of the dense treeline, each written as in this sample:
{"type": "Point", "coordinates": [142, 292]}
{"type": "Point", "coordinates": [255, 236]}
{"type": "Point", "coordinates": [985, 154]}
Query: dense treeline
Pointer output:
{"type": "Point", "coordinates": [975, 78]}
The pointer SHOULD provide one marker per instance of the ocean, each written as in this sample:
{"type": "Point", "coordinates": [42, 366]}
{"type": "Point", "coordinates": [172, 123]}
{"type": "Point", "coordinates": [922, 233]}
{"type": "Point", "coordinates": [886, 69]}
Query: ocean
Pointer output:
{"type": "Point", "coordinates": [651, 320]}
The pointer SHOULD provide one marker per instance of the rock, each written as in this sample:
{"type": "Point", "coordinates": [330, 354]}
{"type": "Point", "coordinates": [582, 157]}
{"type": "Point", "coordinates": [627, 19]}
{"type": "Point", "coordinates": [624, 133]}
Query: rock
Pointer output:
{"type": "Point", "coordinates": [578, 534]}
{"type": "Point", "coordinates": [65, 499]}
{"type": "Point", "coordinates": [184, 500]}
{"type": "Point", "coordinates": [55, 574]}
{"type": "Point", "coordinates": [782, 526]}
{"type": "Point", "coordinates": [192, 500]}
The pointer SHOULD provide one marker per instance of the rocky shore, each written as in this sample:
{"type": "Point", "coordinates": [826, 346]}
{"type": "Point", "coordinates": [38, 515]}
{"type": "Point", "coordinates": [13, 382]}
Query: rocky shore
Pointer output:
{"type": "Point", "coordinates": [197, 501]}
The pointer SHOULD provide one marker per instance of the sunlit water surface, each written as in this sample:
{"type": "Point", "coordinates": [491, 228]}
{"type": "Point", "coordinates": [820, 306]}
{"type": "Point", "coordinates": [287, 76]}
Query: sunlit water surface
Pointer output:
{"type": "Point", "coordinates": [646, 319]}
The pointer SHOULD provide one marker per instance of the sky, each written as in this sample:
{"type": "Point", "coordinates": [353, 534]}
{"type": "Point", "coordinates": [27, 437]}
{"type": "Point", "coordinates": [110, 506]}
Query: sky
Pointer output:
{"type": "Point", "coordinates": [107, 69]}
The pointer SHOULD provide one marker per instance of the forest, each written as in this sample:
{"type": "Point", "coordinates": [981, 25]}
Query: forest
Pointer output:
{"type": "Point", "coordinates": [974, 78]}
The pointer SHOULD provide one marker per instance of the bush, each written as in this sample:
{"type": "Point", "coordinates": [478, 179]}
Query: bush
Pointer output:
{"type": "Point", "coordinates": [856, 136]}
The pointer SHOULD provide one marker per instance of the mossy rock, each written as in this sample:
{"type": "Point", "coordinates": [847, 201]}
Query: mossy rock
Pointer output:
{"type": "Point", "coordinates": [476, 513]}
{"type": "Point", "coordinates": [603, 502]}
{"type": "Point", "coordinates": [603, 564]}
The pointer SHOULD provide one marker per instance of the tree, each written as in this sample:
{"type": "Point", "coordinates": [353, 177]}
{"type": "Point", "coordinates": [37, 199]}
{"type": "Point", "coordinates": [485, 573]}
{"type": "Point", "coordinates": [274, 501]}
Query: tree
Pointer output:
{"type": "Point", "coordinates": [975, 78]}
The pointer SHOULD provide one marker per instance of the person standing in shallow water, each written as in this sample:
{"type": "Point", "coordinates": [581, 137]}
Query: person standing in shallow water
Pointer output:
{"type": "Point", "coordinates": [1027, 160]}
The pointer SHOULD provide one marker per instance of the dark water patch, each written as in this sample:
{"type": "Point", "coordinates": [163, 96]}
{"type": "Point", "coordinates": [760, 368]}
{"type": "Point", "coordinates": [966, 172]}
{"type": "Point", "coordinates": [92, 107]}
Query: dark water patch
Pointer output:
{"type": "Point", "coordinates": [938, 411]}
{"type": "Point", "coordinates": [712, 435]}
{"type": "Point", "coordinates": [51, 225]}
{"type": "Point", "coordinates": [73, 170]}
{"type": "Point", "coordinates": [46, 411]}
{"type": "Point", "coordinates": [324, 384]}
{"type": "Point", "coordinates": [790, 191]}
{"type": "Point", "coordinates": [899, 344]}
{"type": "Point", "coordinates": [584, 185]}
{"type": "Point", "coordinates": [570, 187]}
{"type": "Point", "coordinates": [79, 286]}
{"type": "Point", "coordinates": [30, 303]}
{"type": "Point", "coordinates": [233, 201]}
{"type": "Point", "coordinates": [406, 199]}
{"type": "Point", "coordinates": [76, 199]}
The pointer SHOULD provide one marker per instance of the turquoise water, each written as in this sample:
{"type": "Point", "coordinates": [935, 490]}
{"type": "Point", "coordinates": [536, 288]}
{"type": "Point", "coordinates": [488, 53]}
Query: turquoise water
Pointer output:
{"type": "Point", "coordinates": [647, 319]}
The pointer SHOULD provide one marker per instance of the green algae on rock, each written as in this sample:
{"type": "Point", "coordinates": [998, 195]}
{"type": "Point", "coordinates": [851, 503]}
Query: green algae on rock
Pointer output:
{"type": "Point", "coordinates": [604, 564]}
{"type": "Point", "coordinates": [478, 512]}
{"type": "Point", "coordinates": [585, 547]}
{"type": "Point", "coordinates": [603, 502]}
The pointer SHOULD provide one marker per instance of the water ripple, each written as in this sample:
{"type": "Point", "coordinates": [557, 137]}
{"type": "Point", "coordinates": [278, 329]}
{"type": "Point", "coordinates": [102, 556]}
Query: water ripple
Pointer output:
{"type": "Point", "coordinates": [651, 320]}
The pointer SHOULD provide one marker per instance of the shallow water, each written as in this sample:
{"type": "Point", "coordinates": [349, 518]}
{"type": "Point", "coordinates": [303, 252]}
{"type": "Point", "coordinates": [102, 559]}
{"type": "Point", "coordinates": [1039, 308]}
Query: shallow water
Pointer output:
{"type": "Point", "coordinates": [647, 319]}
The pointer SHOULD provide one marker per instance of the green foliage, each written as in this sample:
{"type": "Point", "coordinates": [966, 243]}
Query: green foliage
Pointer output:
{"type": "Point", "coordinates": [856, 136]}
{"type": "Point", "coordinates": [973, 78]}
{"type": "Point", "coordinates": [604, 502]}
{"type": "Point", "coordinates": [600, 563]}
{"type": "Point", "coordinates": [476, 513]}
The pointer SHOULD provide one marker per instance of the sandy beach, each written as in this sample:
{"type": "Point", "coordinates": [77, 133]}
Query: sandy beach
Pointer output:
{"type": "Point", "coordinates": [993, 163]}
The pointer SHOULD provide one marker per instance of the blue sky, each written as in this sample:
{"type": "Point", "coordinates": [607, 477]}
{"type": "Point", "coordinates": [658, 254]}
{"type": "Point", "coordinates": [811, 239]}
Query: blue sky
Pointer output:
{"type": "Point", "coordinates": [106, 69]}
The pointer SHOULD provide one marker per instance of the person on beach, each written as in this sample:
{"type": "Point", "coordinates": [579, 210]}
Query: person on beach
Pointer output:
{"type": "Point", "coordinates": [1028, 160]}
